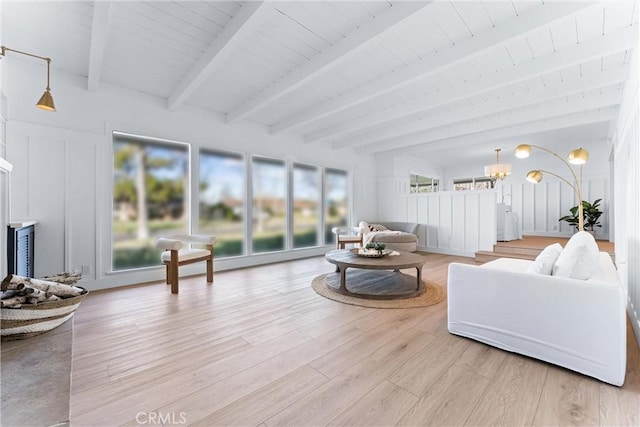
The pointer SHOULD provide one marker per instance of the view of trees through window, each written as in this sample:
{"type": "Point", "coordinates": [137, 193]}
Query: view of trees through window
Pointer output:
{"type": "Point", "coordinates": [422, 184]}
{"type": "Point", "coordinates": [482, 183]}
{"type": "Point", "coordinates": [150, 198]}
{"type": "Point", "coordinates": [222, 196]}
{"type": "Point", "coordinates": [336, 202]}
{"type": "Point", "coordinates": [269, 204]}
{"type": "Point", "coordinates": [306, 205]}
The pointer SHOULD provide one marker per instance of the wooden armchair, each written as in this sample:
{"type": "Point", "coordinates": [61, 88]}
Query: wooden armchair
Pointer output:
{"type": "Point", "coordinates": [176, 255]}
{"type": "Point", "coordinates": [347, 235]}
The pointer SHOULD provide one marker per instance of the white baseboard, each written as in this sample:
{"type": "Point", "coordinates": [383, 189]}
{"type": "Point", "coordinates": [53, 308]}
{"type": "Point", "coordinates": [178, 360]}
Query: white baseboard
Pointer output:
{"type": "Point", "coordinates": [443, 251]}
{"type": "Point", "coordinates": [155, 274]}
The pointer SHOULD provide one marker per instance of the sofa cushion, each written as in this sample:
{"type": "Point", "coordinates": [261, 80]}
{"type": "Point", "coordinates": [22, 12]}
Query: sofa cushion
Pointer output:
{"type": "Point", "coordinates": [579, 258]}
{"type": "Point", "coordinates": [394, 237]}
{"type": "Point", "coordinates": [546, 259]}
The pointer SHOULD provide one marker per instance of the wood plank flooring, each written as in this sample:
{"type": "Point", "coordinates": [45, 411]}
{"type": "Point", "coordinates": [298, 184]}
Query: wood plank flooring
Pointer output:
{"type": "Point", "coordinates": [259, 347]}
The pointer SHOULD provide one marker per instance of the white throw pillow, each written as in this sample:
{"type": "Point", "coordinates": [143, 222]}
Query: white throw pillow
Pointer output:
{"type": "Point", "coordinates": [364, 227]}
{"type": "Point", "coordinates": [546, 259]}
{"type": "Point", "coordinates": [579, 259]}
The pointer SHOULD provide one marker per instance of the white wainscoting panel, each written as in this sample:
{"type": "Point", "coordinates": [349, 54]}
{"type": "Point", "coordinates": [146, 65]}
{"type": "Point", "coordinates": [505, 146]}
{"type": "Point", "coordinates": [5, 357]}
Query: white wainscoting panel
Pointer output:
{"type": "Point", "coordinates": [456, 223]}
{"type": "Point", "coordinates": [540, 206]}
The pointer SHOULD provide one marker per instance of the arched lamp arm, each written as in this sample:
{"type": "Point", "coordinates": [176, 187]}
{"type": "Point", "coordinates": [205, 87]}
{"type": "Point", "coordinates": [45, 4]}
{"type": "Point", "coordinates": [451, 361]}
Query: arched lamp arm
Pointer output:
{"type": "Point", "coordinates": [575, 178]}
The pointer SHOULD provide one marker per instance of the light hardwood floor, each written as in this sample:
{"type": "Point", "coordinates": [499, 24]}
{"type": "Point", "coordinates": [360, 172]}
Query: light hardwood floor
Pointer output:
{"type": "Point", "coordinates": [259, 347]}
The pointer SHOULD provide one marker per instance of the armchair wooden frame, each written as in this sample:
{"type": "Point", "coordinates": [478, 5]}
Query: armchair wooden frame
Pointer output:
{"type": "Point", "coordinates": [178, 256]}
{"type": "Point", "coordinates": [347, 235]}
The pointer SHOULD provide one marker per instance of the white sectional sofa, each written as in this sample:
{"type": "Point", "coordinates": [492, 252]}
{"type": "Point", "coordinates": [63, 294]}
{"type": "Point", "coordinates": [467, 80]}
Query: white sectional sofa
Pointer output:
{"type": "Point", "coordinates": [575, 323]}
{"type": "Point", "coordinates": [397, 236]}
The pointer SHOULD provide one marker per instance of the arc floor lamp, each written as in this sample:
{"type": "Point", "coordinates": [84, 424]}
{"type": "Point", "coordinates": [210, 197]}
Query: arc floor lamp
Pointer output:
{"type": "Point", "coordinates": [579, 156]}
{"type": "Point", "coordinates": [46, 100]}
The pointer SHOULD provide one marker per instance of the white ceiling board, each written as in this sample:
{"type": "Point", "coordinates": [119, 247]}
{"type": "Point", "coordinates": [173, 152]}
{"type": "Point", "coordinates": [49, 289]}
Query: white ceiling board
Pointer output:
{"type": "Point", "coordinates": [29, 27]}
{"type": "Point", "coordinates": [450, 68]}
{"type": "Point", "coordinates": [458, 53]}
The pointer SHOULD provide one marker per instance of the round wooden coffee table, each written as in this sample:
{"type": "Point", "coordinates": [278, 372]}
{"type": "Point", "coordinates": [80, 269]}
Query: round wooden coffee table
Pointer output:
{"type": "Point", "coordinates": [376, 284]}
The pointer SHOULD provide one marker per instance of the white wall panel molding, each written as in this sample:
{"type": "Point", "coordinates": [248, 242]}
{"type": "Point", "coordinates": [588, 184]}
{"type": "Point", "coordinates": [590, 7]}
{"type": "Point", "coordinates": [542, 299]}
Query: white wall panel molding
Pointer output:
{"type": "Point", "coordinates": [627, 194]}
{"type": "Point", "coordinates": [455, 223]}
{"type": "Point", "coordinates": [464, 49]}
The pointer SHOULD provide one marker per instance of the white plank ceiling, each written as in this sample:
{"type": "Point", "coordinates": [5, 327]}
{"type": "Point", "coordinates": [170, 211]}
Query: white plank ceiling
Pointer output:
{"type": "Point", "coordinates": [403, 76]}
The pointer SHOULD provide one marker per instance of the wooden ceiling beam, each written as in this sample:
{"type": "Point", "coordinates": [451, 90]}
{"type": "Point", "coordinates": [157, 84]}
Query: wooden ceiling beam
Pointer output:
{"type": "Point", "coordinates": [551, 92]}
{"type": "Point", "coordinates": [561, 122]}
{"type": "Point", "coordinates": [329, 58]}
{"type": "Point", "coordinates": [220, 49]}
{"type": "Point", "coordinates": [509, 119]}
{"type": "Point", "coordinates": [99, 33]}
{"type": "Point", "coordinates": [463, 50]}
{"type": "Point", "coordinates": [567, 57]}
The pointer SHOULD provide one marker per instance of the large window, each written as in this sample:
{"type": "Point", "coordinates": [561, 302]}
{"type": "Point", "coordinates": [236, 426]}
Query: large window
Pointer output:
{"type": "Point", "coordinates": [473, 184]}
{"type": "Point", "coordinates": [284, 205]}
{"type": "Point", "coordinates": [222, 200]}
{"type": "Point", "coordinates": [422, 184]}
{"type": "Point", "coordinates": [306, 205]}
{"type": "Point", "coordinates": [336, 202]}
{"type": "Point", "coordinates": [269, 204]}
{"type": "Point", "coordinates": [150, 197]}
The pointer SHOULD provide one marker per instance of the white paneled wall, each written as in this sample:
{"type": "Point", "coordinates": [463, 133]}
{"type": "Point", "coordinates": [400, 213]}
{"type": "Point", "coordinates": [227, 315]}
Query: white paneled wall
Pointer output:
{"type": "Point", "coordinates": [456, 223]}
{"type": "Point", "coordinates": [55, 185]}
{"type": "Point", "coordinates": [62, 169]}
{"type": "Point", "coordinates": [627, 195]}
{"type": "Point", "coordinates": [539, 206]}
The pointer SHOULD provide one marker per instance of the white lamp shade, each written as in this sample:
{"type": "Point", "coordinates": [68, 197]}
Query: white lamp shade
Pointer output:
{"type": "Point", "coordinates": [498, 170]}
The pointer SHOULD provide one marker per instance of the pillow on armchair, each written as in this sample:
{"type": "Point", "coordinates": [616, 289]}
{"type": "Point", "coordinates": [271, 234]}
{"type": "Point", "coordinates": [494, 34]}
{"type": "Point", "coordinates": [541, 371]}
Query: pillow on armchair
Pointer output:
{"type": "Point", "coordinates": [579, 258]}
{"type": "Point", "coordinates": [546, 259]}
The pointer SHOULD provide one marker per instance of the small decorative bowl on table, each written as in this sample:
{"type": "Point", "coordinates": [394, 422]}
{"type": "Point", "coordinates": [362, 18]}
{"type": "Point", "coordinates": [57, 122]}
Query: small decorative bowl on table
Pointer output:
{"type": "Point", "coordinates": [372, 250]}
{"type": "Point", "coordinates": [31, 307]}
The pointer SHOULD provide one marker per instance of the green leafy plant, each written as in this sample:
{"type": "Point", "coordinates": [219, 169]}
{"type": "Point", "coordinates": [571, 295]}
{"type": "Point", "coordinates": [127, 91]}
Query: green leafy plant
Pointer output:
{"type": "Point", "coordinates": [376, 246]}
{"type": "Point", "coordinates": [590, 213]}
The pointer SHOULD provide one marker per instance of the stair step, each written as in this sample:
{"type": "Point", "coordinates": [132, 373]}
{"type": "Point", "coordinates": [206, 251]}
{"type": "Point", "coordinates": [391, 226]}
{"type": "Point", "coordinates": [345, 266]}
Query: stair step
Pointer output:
{"type": "Point", "coordinates": [486, 256]}
{"type": "Point", "coordinates": [516, 250]}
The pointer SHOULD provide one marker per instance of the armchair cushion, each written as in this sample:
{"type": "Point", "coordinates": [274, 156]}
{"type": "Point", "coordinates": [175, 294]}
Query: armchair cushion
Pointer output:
{"type": "Point", "coordinates": [185, 254]}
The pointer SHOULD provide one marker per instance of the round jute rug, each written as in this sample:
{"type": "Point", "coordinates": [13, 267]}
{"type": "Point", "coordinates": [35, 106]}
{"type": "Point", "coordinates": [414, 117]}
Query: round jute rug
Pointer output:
{"type": "Point", "coordinates": [433, 294]}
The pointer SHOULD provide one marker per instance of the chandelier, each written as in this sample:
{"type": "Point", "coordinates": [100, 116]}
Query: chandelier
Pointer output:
{"type": "Point", "coordinates": [497, 170]}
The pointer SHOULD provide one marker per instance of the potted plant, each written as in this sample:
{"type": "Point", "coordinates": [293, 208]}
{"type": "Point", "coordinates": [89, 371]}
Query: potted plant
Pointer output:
{"type": "Point", "coordinates": [591, 216]}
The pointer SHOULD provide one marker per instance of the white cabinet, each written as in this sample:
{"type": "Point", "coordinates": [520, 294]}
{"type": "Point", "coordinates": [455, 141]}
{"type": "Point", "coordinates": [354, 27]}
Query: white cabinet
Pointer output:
{"type": "Point", "coordinates": [507, 227]}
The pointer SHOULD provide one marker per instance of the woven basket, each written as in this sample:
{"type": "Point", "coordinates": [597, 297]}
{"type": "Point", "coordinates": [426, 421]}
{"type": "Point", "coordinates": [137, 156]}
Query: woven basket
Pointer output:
{"type": "Point", "coordinates": [35, 319]}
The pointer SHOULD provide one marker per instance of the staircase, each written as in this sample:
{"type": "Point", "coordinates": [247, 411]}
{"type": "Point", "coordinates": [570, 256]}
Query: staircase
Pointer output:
{"type": "Point", "coordinates": [529, 247]}
{"type": "Point", "coordinates": [501, 251]}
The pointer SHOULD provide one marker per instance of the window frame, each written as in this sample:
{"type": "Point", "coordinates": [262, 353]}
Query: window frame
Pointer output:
{"type": "Point", "coordinates": [109, 267]}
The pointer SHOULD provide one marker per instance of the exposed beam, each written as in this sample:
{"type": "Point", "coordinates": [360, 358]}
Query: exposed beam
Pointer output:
{"type": "Point", "coordinates": [464, 50]}
{"type": "Point", "coordinates": [331, 57]}
{"type": "Point", "coordinates": [567, 57]}
{"type": "Point", "coordinates": [99, 33]}
{"type": "Point", "coordinates": [227, 41]}
{"type": "Point", "coordinates": [562, 122]}
{"type": "Point", "coordinates": [515, 118]}
{"type": "Point", "coordinates": [494, 106]}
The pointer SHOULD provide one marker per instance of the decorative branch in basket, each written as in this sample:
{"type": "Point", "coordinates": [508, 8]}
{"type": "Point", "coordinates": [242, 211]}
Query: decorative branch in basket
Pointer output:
{"type": "Point", "coordinates": [18, 290]}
